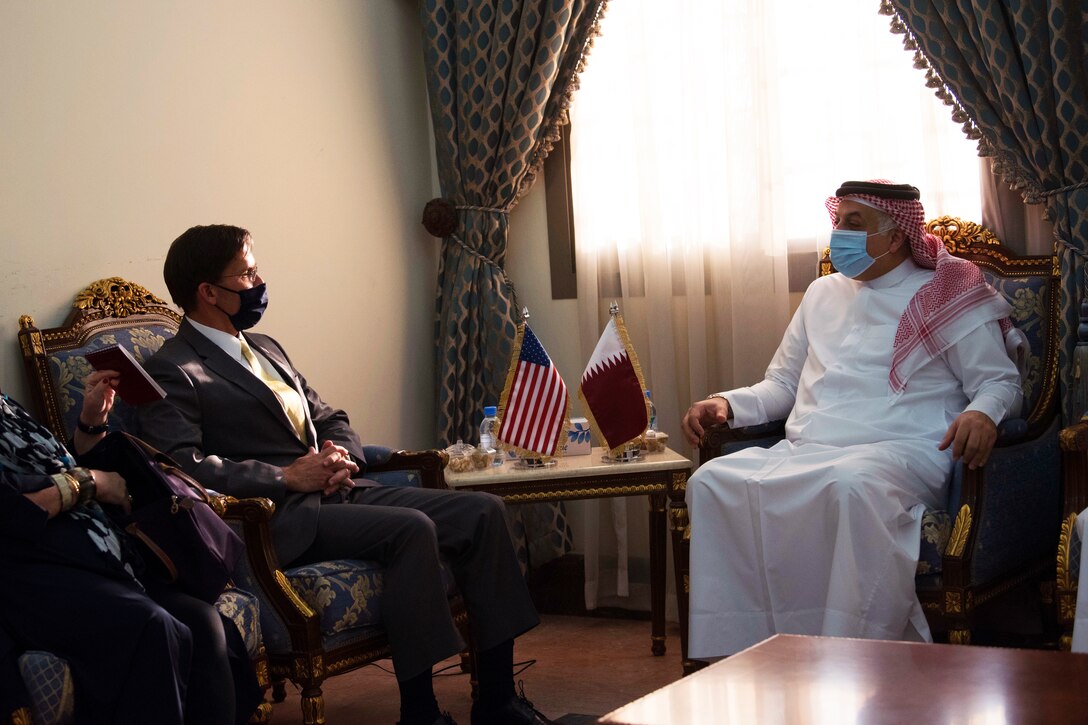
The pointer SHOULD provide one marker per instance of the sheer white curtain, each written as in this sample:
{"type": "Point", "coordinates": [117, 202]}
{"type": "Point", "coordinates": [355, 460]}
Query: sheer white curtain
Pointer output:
{"type": "Point", "coordinates": [705, 137]}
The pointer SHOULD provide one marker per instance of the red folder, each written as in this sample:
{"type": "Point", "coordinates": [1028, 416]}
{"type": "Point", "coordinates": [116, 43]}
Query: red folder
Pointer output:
{"type": "Point", "coordinates": [136, 386]}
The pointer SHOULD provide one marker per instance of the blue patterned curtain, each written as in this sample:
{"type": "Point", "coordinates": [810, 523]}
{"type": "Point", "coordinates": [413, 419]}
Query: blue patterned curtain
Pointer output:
{"type": "Point", "coordinates": [1015, 74]}
{"type": "Point", "coordinates": [500, 74]}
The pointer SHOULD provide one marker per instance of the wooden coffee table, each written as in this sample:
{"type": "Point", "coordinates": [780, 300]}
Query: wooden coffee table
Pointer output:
{"type": "Point", "coordinates": [656, 475]}
{"type": "Point", "coordinates": [809, 680]}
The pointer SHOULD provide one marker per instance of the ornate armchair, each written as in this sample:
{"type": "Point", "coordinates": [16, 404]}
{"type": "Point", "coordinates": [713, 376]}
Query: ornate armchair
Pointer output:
{"type": "Point", "coordinates": [999, 527]}
{"type": "Point", "coordinates": [314, 621]}
{"type": "Point", "coordinates": [1074, 442]}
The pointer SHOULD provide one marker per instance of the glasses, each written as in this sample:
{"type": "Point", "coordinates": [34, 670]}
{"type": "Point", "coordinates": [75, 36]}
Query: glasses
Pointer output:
{"type": "Point", "coordinates": [250, 275]}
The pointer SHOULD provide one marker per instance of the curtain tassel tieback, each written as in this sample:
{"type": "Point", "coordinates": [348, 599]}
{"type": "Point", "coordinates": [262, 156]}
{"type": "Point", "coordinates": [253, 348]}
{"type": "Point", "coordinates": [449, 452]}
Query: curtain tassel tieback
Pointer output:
{"type": "Point", "coordinates": [1064, 189]}
{"type": "Point", "coordinates": [440, 216]}
{"type": "Point", "coordinates": [1034, 195]}
{"type": "Point", "coordinates": [488, 209]}
{"type": "Point", "coordinates": [500, 272]}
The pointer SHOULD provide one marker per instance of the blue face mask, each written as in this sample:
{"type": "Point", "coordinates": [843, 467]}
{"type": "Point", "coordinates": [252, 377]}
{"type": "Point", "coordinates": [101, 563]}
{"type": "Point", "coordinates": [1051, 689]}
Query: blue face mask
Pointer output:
{"type": "Point", "coordinates": [254, 301]}
{"type": "Point", "coordinates": [848, 251]}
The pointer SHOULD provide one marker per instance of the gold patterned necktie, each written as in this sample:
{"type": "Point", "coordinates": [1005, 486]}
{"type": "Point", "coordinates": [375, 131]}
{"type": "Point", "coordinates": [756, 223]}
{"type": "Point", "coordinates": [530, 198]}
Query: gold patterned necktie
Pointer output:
{"type": "Point", "coordinates": [289, 398]}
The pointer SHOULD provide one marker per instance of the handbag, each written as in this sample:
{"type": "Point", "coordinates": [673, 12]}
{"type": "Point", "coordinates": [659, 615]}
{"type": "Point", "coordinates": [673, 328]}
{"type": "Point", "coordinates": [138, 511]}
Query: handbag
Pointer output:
{"type": "Point", "coordinates": [182, 536]}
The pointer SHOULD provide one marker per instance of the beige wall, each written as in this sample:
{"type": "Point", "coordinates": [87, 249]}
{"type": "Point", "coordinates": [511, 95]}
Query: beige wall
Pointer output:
{"type": "Point", "coordinates": [124, 122]}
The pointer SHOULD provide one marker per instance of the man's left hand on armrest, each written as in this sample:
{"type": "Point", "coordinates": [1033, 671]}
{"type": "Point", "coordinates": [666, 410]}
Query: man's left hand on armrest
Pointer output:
{"type": "Point", "coordinates": [972, 436]}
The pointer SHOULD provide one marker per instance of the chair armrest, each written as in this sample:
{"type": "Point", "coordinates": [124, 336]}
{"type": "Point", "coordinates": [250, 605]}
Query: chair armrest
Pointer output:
{"type": "Point", "coordinates": [284, 615]}
{"type": "Point", "coordinates": [720, 439]}
{"type": "Point", "coordinates": [1074, 443]}
{"type": "Point", "coordinates": [1013, 431]}
{"type": "Point", "coordinates": [430, 465]}
{"type": "Point", "coordinates": [252, 518]}
{"type": "Point", "coordinates": [1008, 510]}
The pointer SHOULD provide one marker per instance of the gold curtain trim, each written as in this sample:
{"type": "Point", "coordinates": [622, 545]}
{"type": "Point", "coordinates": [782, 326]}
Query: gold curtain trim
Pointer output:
{"type": "Point", "coordinates": [1004, 165]}
{"type": "Point", "coordinates": [551, 129]}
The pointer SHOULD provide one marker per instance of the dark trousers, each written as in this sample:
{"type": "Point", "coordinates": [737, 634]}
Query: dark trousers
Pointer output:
{"type": "Point", "coordinates": [129, 657]}
{"type": "Point", "coordinates": [135, 657]}
{"type": "Point", "coordinates": [410, 531]}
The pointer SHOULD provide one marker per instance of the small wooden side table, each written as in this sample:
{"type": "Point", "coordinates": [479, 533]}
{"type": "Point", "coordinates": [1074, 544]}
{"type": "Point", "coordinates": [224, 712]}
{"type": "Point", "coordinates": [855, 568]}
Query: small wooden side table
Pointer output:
{"type": "Point", "coordinates": [660, 476]}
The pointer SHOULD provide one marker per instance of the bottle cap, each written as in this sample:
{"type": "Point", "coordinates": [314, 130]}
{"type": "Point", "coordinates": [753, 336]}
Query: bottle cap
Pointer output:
{"type": "Point", "coordinates": [490, 411]}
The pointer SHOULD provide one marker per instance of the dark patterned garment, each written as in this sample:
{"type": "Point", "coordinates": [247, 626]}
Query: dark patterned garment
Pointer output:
{"type": "Point", "coordinates": [29, 455]}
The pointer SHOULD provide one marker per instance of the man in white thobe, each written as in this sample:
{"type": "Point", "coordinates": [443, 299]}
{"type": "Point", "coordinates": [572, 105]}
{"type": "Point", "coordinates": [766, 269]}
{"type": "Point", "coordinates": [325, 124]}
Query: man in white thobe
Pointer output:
{"type": "Point", "coordinates": [890, 370]}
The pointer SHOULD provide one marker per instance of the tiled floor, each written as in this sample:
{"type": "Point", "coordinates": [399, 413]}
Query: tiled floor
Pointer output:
{"type": "Point", "coordinates": [584, 665]}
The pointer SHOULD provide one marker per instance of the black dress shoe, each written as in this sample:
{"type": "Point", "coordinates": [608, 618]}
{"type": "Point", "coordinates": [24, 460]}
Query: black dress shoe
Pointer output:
{"type": "Point", "coordinates": [442, 719]}
{"type": "Point", "coordinates": [515, 711]}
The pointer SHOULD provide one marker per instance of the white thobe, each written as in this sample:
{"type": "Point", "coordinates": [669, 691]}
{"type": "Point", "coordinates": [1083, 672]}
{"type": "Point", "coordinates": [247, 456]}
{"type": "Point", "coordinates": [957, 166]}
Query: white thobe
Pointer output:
{"type": "Point", "coordinates": [820, 533]}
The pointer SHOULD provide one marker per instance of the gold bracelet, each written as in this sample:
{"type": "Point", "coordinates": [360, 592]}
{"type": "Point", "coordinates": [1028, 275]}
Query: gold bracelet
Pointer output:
{"type": "Point", "coordinates": [68, 488]}
{"type": "Point", "coordinates": [73, 482]}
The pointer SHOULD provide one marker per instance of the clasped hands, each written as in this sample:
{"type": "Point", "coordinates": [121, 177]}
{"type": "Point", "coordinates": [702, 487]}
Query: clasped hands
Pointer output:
{"type": "Point", "coordinates": [327, 470]}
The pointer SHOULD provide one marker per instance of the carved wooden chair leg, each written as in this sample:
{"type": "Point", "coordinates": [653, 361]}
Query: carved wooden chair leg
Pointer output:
{"type": "Point", "coordinates": [1048, 611]}
{"type": "Point", "coordinates": [313, 706]}
{"type": "Point", "coordinates": [959, 635]}
{"type": "Point", "coordinates": [466, 660]}
{"type": "Point", "coordinates": [263, 714]}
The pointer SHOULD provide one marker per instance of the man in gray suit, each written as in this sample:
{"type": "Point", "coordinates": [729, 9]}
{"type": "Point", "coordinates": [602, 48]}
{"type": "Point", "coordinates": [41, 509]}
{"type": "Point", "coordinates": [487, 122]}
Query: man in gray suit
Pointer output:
{"type": "Point", "coordinates": [241, 419]}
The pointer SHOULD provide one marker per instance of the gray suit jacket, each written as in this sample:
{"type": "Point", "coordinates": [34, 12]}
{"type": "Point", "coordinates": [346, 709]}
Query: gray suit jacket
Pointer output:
{"type": "Point", "coordinates": [228, 430]}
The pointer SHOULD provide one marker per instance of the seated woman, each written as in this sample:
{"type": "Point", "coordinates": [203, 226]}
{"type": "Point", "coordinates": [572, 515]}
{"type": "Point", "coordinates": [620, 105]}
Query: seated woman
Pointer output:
{"type": "Point", "coordinates": [140, 650]}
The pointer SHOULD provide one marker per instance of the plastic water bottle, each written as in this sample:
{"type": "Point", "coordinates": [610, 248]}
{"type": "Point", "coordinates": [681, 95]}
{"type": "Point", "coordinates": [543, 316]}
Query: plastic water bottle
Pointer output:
{"type": "Point", "coordinates": [653, 414]}
{"type": "Point", "coordinates": [489, 428]}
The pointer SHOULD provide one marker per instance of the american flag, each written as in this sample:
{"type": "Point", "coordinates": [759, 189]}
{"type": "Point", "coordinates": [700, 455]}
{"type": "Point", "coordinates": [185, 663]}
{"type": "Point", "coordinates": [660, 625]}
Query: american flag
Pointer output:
{"type": "Point", "coordinates": [535, 403]}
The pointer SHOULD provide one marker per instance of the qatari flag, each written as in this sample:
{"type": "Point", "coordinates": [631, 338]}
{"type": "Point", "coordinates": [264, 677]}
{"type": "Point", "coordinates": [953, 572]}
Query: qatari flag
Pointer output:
{"type": "Point", "coordinates": [612, 388]}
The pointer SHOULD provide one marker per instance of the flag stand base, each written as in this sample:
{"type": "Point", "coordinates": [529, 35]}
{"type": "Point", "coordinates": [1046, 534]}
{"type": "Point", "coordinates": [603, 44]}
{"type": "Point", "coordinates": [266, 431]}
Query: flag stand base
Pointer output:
{"type": "Point", "coordinates": [631, 452]}
{"type": "Point", "coordinates": [534, 463]}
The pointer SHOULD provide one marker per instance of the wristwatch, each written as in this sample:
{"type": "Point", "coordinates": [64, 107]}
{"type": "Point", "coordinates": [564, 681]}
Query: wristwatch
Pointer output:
{"type": "Point", "coordinates": [92, 429]}
{"type": "Point", "coordinates": [87, 487]}
{"type": "Point", "coordinates": [729, 415]}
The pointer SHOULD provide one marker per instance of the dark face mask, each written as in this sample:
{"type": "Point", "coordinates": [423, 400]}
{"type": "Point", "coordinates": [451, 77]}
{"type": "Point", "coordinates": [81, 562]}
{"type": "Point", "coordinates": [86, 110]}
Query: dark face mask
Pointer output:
{"type": "Point", "coordinates": [253, 303]}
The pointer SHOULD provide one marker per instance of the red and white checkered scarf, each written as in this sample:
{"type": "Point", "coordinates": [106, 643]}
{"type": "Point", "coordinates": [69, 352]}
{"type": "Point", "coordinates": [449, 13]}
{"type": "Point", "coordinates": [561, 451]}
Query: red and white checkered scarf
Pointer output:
{"type": "Point", "coordinates": [952, 304]}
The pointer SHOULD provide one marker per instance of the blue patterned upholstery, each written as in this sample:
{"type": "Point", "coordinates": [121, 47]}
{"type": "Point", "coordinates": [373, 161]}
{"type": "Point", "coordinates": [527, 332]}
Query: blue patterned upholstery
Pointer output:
{"type": "Point", "coordinates": [49, 684]}
{"type": "Point", "coordinates": [110, 311]}
{"type": "Point", "coordinates": [69, 368]}
{"type": "Point", "coordinates": [244, 609]}
{"type": "Point", "coordinates": [1024, 486]}
{"type": "Point", "coordinates": [1028, 297]}
{"type": "Point", "coordinates": [48, 679]}
{"type": "Point", "coordinates": [345, 593]}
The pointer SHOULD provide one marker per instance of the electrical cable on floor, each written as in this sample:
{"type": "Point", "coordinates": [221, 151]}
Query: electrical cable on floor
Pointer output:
{"type": "Point", "coordinates": [524, 665]}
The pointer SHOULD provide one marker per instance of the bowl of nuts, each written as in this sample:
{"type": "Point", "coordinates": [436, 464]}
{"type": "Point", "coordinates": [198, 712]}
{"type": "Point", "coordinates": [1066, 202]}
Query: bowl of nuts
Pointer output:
{"type": "Point", "coordinates": [465, 457]}
{"type": "Point", "coordinates": [654, 441]}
